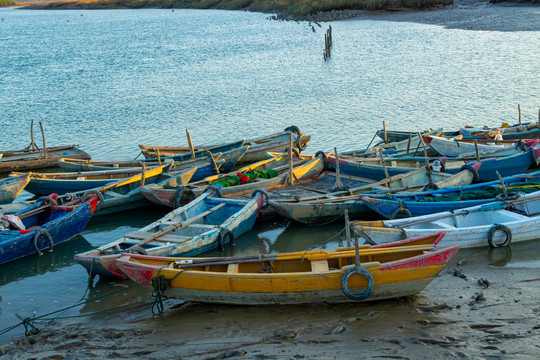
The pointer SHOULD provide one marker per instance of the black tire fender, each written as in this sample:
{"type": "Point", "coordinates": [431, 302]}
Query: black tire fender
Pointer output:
{"type": "Point", "coordinates": [345, 279]}
{"type": "Point", "coordinates": [294, 129]}
{"type": "Point", "coordinates": [492, 231]}
{"type": "Point", "coordinates": [43, 232]}
{"type": "Point", "coordinates": [476, 176]}
{"type": "Point", "coordinates": [325, 159]}
{"type": "Point", "coordinates": [48, 199]}
{"type": "Point", "coordinates": [224, 233]}
{"type": "Point", "coordinates": [401, 213]}
{"type": "Point", "coordinates": [299, 145]}
{"type": "Point", "coordinates": [430, 186]}
{"type": "Point", "coordinates": [264, 194]}
{"type": "Point", "coordinates": [511, 196]}
{"type": "Point", "coordinates": [215, 189]}
{"type": "Point", "coordinates": [87, 195]}
{"type": "Point", "coordinates": [532, 156]}
{"type": "Point", "coordinates": [181, 194]}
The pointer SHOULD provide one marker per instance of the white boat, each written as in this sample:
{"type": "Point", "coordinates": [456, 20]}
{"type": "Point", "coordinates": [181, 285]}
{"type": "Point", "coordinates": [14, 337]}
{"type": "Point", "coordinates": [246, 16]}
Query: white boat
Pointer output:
{"type": "Point", "coordinates": [454, 147]}
{"type": "Point", "coordinates": [494, 224]}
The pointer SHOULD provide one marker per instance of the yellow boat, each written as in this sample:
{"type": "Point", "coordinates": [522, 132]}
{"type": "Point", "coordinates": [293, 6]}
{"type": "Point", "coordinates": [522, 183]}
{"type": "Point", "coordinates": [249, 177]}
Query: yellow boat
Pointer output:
{"type": "Point", "coordinates": [296, 278]}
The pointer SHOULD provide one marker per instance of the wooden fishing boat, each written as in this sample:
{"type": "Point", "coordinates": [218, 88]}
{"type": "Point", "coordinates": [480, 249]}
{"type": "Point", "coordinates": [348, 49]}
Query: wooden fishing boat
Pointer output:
{"type": "Point", "coordinates": [26, 159]}
{"type": "Point", "coordinates": [11, 187]}
{"type": "Point", "coordinates": [401, 205]}
{"type": "Point", "coordinates": [174, 153]}
{"type": "Point", "coordinates": [212, 164]}
{"type": "Point", "coordinates": [258, 147]}
{"type": "Point", "coordinates": [377, 169]}
{"type": "Point", "coordinates": [294, 278]}
{"type": "Point", "coordinates": [202, 225]}
{"type": "Point", "coordinates": [400, 136]}
{"type": "Point", "coordinates": [330, 207]}
{"type": "Point", "coordinates": [494, 224]}
{"type": "Point", "coordinates": [61, 183]}
{"type": "Point", "coordinates": [274, 173]}
{"type": "Point", "coordinates": [453, 147]}
{"type": "Point", "coordinates": [116, 197]}
{"type": "Point", "coordinates": [40, 227]}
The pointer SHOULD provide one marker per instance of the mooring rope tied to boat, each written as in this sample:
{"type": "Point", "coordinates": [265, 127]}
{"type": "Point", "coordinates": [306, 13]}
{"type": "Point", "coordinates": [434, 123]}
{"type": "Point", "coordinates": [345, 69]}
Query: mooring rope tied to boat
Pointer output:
{"type": "Point", "coordinates": [45, 319]}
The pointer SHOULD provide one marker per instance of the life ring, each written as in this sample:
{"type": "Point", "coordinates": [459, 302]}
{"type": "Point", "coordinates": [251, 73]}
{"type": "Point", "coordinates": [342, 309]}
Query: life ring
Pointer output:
{"type": "Point", "coordinates": [294, 129]}
{"type": "Point", "coordinates": [48, 199]}
{"type": "Point", "coordinates": [45, 233]}
{"type": "Point", "coordinates": [264, 194]}
{"type": "Point", "coordinates": [492, 231]}
{"type": "Point", "coordinates": [87, 195]}
{"type": "Point", "coordinates": [345, 279]}
{"type": "Point", "coordinates": [511, 196]}
{"type": "Point", "coordinates": [476, 176]}
{"type": "Point", "coordinates": [215, 189]}
{"type": "Point", "coordinates": [401, 213]}
{"type": "Point", "coordinates": [223, 233]}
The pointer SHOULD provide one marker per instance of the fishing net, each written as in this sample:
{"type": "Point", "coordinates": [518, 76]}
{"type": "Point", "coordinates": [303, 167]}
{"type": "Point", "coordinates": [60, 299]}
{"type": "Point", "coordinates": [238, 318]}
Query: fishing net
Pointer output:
{"type": "Point", "coordinates": [487, 192]}
{"type": "Point", "coordinates": [246, 177]}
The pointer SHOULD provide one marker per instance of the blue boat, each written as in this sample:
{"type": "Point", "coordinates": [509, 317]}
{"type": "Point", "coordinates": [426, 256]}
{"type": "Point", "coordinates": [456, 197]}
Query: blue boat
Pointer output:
{"type": "Point", "coordinates": [11, 187]}
{"type": "Point", "coordinates": [393, 206]}
{"type": "Point", "coordinates": [219, 163]}
{"type": "Point", "coordinates": [505, 166]}
{"type": "Point", "coordinates": [40, 227]}
{"type": "Point", "coordinates": [204, 224]}
{"type": "Point", "coordinates": [62, 183]}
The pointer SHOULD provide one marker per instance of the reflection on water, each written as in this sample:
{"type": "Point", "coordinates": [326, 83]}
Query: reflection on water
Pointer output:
{"type": "Point", "coordinates": [33, 265]}
{"type": "Point", "coordinates": [522, 254]}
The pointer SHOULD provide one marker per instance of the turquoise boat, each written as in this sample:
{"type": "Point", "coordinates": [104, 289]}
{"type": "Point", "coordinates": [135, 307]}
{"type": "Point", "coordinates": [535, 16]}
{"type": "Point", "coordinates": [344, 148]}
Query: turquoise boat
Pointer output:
{"type": "Point", "coordinates": [202, 225]}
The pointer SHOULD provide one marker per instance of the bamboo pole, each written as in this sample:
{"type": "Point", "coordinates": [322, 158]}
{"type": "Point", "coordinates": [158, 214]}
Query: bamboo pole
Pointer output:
{"type": "Point", "coordinates": [190, 144]}
{"type": "Point", "coordinates": [385, 134]}
{"type": "Point", "coordinates": [143, 174]}
{"type": "Point", "coordinates": [291, 165]}
{"type": "Point", "coordinates": [158, 157]}
{"type": "Point", "coordinates": [409, 143]}
{"type": "Point", "coordinates": [44, 152]}
{"type": "Point", "coordinates": [347, 228]}
{"type": "Point", "coordinates": [384, 168]}
{"type": "Point", "coordinates": [519, 113]}
{"type": "Point", "coordinates": [476, 149]}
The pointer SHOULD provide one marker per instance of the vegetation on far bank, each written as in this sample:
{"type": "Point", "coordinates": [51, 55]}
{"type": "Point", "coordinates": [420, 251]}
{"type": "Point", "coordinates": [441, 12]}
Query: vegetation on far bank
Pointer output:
{"type": "Point", "coordinates": [5, 3]}
{"type": "Point", "coordinates": [296, 8]}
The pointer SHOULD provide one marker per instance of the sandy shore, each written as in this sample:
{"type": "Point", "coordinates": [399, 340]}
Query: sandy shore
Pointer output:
{"type": "Point", "coordinates": [470, 15]}
{"type": "Point", "coordinates": [458, 315]}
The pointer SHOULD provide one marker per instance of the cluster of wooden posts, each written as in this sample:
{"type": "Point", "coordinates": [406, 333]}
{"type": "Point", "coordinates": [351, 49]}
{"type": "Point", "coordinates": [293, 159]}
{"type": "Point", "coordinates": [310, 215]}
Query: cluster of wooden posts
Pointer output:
{"type": "Point", "coordinates": [327, 43]}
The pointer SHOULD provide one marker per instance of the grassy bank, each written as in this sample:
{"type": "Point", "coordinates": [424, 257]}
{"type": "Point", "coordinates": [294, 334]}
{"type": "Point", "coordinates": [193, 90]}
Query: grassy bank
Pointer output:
{"type": "Point", "coordinates": [296, 8]}
{"type": "Point", "coordinates": [6, 3]}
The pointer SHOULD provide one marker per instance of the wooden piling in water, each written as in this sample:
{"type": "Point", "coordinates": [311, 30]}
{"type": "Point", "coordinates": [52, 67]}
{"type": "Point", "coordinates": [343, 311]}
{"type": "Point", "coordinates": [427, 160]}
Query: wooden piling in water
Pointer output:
{"type": "Point", "coordinates": [519, 113]}
{"type": "Point", "coordinates": [327, 43]}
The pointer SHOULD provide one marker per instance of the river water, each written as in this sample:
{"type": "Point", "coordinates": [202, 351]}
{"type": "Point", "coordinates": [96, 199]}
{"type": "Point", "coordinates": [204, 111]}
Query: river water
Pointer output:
{"type": "Point", "coordinates": [110, 80]}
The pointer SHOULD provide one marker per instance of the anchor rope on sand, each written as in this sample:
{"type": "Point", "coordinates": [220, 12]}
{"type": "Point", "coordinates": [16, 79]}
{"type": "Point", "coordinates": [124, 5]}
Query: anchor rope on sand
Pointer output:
{"type": "Point", "coordinates": [30, 322]}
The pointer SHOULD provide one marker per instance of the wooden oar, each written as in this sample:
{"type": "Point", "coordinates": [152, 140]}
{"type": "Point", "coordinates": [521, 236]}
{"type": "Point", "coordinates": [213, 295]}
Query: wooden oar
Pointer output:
{"type": "Point", "coordinates": [179, 225]}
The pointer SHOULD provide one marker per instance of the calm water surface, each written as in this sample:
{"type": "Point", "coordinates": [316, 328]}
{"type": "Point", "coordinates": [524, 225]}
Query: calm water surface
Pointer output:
{"type": "Point", "coordinates": [110, 80]}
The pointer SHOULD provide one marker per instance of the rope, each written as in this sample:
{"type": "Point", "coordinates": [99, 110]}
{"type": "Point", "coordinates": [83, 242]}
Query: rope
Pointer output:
{"type": "Point", "coordinates": [28, 322]}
